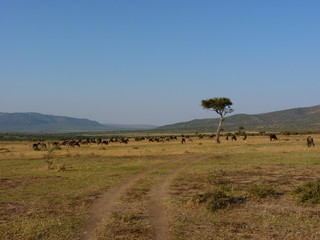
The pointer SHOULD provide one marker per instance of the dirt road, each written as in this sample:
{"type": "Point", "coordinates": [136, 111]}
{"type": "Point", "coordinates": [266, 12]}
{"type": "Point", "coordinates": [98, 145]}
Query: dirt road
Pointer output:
{"type": "Point", "coordinates": [158, 194]}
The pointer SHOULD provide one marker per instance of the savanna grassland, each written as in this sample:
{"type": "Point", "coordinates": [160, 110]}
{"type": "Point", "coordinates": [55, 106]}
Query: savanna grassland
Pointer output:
{"type": "Point", "coordinates": [258, 189]}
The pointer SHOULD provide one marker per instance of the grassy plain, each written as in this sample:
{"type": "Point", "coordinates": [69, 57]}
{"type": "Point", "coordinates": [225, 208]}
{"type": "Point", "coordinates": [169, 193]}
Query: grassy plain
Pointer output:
{"type": "Point", "coordinates": [256, 181]}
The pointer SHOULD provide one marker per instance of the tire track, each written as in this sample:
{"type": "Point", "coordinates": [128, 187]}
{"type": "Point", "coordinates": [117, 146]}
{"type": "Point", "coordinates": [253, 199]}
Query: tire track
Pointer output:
{"type": "Point", "coordinates": [158, 194]}
{"type": "Point", "coordinates": [105, 203]}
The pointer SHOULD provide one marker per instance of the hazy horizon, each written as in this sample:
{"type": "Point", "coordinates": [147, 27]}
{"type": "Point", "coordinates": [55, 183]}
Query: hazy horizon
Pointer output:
{"type": "Point", "coordinates": [143, 124]}
{"type": "Point", "coordinates": [145, 62]}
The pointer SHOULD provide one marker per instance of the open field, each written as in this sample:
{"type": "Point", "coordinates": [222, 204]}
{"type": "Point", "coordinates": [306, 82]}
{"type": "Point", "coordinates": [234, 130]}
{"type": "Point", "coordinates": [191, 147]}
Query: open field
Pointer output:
{"type": "Point", "coordinates": [150, 190]}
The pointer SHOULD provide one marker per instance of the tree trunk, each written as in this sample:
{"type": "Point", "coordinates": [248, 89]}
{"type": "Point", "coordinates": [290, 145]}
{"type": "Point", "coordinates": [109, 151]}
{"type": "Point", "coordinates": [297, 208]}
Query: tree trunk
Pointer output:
{"type": "Point", "coordinates": [219, 129]}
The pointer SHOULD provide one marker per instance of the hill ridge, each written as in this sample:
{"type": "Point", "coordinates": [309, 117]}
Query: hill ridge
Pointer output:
{"type": "Point", "coordinates": [294, 119]}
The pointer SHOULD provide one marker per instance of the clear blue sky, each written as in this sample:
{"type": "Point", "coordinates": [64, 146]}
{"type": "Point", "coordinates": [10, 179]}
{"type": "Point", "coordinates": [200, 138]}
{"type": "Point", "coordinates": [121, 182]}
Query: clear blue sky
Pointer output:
{"type": "Point", "coordinates": [152, 62]}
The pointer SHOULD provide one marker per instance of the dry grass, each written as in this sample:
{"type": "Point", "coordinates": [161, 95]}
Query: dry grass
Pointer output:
{"type": "Point", "coordinates": [37, 202]}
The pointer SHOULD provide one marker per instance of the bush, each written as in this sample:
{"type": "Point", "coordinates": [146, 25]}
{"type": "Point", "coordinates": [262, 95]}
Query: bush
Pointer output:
{"type": "Point", "coordinates": [308, 193]}
{"type": "Point", "coordinates": [216, 178]}
{"type": "Point", "coordinates": [216, 199]}
{"type": "Point", "coordinates": [262, 191]}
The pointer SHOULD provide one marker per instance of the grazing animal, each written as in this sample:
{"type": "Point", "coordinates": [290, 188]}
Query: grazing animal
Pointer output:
{"type": "Point", "coordinates": [183, 140]}
{"type": "Point", "coordinates": [35, 146]}
{"type": "Point", "coordinates": [124, 140]}
{"type": "Point", "coordinates": [273, 137]}
{"type": "Point", "coordinates": [234, 138]}
{"type": "Point", "coordinates": [310, 141]}
{"type": "Point", "coordinates": [39, 146]}
{"type": "Point", "coordinates": [227, 137]}
{"type": "Point", "coordinates": [245, 137]}
{"type": "Point", "coordinates": [106, 142]}
{"type": "Point", "coordinates": [75, 144]}
{"type": "Point", "coordinates": [43, 145]}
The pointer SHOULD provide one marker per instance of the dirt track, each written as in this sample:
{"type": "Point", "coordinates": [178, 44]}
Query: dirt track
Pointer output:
{"type": "Point", "coordinates": [158, 195]}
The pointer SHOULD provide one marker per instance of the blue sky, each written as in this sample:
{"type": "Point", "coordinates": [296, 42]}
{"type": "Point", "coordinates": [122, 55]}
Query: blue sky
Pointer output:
{"type": "Point", "coordinates": [152, 62]}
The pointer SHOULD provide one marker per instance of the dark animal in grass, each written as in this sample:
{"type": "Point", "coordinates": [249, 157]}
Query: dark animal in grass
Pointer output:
{"type": "Point", "coordinates": [124, 140]}
{"type": "Point", "coordinates": [183, 140]}
{"type": "Point", "coordinates": [105, 142]}
{"type": "Point", "coordinates": [234, 138]}
{"type": "Point", "coordinates": [273, 137]}
{"type": "Point", "coordinates": [35, 146]}
{"type": "Point", "coordinates": [43, 145]}
{"type": "Point", "coordinates": [245, 137]}
{"type": "Point", "coordinates": [39, 146]}
{"type": "Point", "coordinates": [310, 141]}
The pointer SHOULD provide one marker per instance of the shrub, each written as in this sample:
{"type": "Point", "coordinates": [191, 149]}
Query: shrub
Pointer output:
{"type": "Point", "coordinates": [216, 199]}
{"type": "Point", "coordinates": [262, 191]}
{"type": "Point", "coordinates": [216, 178]}
{"type": "Point", "coordinates": [308, 193]}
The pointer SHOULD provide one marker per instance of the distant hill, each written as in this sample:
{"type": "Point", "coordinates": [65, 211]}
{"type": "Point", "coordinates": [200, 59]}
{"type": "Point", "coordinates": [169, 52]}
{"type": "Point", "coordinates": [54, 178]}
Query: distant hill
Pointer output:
{"type": "Point", "coordinates": [43, 123]}
{"type": "Point", "coordinates": [297, 119]}
{"type": "Point", "coordinates": [36, 122]}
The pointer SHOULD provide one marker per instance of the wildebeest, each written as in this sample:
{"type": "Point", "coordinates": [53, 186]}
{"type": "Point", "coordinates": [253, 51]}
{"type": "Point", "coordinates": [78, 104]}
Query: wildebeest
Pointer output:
{"type": "Point", "coordinates": [310, 141]}
{"type": "Point", "coordinates": [273, 137]}
{"type": "Point", "coordinates": [106, 142]}
{"type": "Point", "coordinates": [234, 138]}
{"type": "Point", "coordinates": [183, 140]}
{"type": "Point", "coordinates": [124, 140]}
{"type": "Point", "coordinates": [35, 146]}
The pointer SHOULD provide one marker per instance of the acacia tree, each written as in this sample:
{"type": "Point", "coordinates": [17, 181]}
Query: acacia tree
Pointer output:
{"type": "Point", "coordinates": [222, 106]}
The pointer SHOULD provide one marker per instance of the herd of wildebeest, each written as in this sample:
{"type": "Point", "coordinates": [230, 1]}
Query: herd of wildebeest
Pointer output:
{"type": "Point", "coordinates": [106, 141]}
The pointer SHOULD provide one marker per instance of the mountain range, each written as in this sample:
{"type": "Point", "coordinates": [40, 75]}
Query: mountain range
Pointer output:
{"type": "Point", "coordinates": [43, 123]}
{"type": "Point", "coordinates": [296, 119]}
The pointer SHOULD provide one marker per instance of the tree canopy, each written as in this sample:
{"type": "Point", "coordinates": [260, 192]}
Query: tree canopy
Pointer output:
{"type": "Point", "coordinates": [222, 106]}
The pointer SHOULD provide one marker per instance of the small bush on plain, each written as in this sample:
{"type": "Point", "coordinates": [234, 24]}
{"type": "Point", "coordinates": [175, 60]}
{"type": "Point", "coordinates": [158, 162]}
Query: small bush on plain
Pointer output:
{"type": "Point", "coordinates": [308, 193]}
{"type": "Point", "coordinates": [216, 199]}
{"type": "Point", "coordinates": [262, 191]}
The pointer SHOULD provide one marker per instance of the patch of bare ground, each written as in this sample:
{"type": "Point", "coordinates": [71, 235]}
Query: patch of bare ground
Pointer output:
{"type": "Point", "coordinates": [8, 183]}
{"type": "Point", "coordinates": [126, 221]}
{"type": "Point", "coordinates": [10, 210]}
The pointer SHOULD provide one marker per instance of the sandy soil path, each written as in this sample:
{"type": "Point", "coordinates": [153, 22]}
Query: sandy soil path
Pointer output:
{"type": "Point", "coordinates": [106, 202]}
{"type": "Point", "coordinates": [159, 193]}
